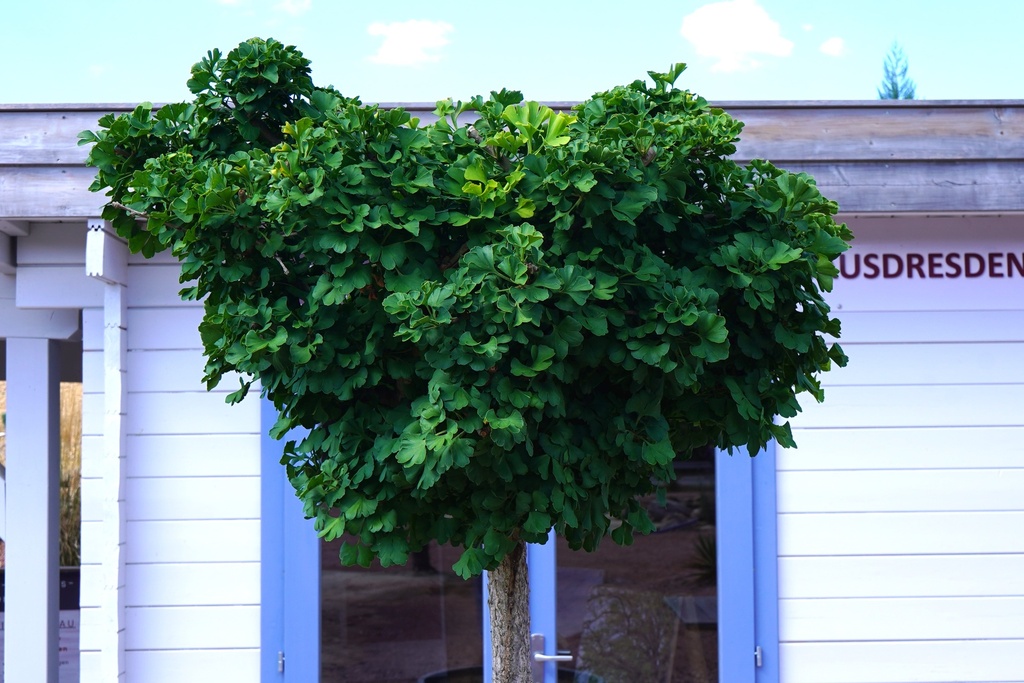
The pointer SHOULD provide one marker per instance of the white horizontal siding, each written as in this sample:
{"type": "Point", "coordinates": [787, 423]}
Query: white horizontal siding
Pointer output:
{"type": "Point", "coordinates": [188, 584]}
{"type": "Point", "coordinates": [92, 449]}
{"type": "Point", "coordinates": [172, 371]}
{"type": "Point", "coordinates": [913, 448]}
{"type": "Point", "coordinates": [191, 455]}
{"type": "Point", "coordinates": [914, 406]}
{"type": "Point", "coordinates": [193, 498]}
{"type": "Point", "coordinates": [92, 370]}
{"type": "Point", "coordinates": [159, 258]}
{"type": "Point", "coordinates": [57, 286]}
{"type": "Point", "coordinates": [900, 533]}
{"type": "Point", "coordinates": [979, 294]}
{"type": "Point", "coordinates": [49, 244]}
{"type": "Point", "coordinates": [198, 412]}
{"type": "Point", "coordinates": [923, 235]}
{"type": "Point", "coordinates": [192, 586]}
{"type": "Point", "coordinates": [221, 540]}
{"type": "Point", "coordinates": [193, 627]}
{"type": "Point", "coordinates": [91, 627]}
{"type": "Point", "coordinates": [900, 513]}
{"type": "Point", "coordinates": [928, 364]}
{"type": "Point", "coordinates": [932, 326]}
{"type": "Point", "coordinates": [195, 666]}
{"type": "Point", "coordinates": [907, 490]}
{"type": "Point", "coordinates": [164, 328]}
{"type": "Point", "coordinates": [896, 576]}
{"type": "Point", "coordinates": [94, 624]}
{"type": "Point", "coordinates": [936, 661]}
{"type": "Point", "coordinates": [156, 285]}
{"type": "Point", "coordinates": [92, 529]}
{"type": "Point", "coordinates": [873, 619]}
{"type": "Point", "coordinates": [92, 329]}
{"type": "Point", "coordinates": [165, 371]}
{"type": "Point", "coordinates": [92, 413]}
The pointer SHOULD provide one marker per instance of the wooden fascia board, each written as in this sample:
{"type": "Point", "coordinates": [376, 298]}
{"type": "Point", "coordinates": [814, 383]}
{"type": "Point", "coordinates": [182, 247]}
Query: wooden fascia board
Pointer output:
{"type": "Point", "coordinates": [983, 138]}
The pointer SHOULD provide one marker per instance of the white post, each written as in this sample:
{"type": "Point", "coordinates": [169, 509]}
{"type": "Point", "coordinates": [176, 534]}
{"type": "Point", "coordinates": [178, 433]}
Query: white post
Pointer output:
{"type": "Point", "coordinates": [33, 475]}
{"type": "Point", "coordinates": [107, 261]}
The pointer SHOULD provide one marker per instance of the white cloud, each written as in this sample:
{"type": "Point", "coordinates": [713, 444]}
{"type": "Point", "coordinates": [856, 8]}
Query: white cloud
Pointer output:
{"type": "Point", "coordinates": [409, 43]}
{"type": "Point", "coordinates": [294, 7]}
{"type": "Point", "coordinates": [97, 70]}
{"type": "Point", "coordinates": [834, 47]}
{"type": "Point", "coordinates": [734, 33]}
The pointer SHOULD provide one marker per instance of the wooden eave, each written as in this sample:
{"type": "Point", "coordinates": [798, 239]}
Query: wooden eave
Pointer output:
{"type": "Point", "coordinates": [873, 157]}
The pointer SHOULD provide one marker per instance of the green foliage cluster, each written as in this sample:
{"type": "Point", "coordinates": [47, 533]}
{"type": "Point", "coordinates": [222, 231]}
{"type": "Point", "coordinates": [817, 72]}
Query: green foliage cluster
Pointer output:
{"type": "Point", "coordinates": [508, 320]}
{"type": "Point", "coordinates": [895, 83]}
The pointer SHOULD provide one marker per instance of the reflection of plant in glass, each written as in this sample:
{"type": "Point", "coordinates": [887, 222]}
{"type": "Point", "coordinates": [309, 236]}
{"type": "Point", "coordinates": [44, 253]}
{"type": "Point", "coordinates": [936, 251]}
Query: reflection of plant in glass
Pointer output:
{"type": "Point", "coordinates": [628, 636]}
{"type": "Point", "coordinates": [706, 510]}
{"type": "Point", "coordinates": [704, 566]}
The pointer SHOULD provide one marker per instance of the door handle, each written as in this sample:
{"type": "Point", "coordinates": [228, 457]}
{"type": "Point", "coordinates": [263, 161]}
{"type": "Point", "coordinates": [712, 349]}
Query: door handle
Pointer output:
{"type": "Point", "coordinates": [539, 658]}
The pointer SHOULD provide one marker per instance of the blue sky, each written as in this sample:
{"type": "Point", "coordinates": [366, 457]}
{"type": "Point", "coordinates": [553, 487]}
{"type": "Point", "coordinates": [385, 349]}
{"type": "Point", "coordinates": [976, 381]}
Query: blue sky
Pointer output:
{"type": "Point", "coordinates": [121, 51]}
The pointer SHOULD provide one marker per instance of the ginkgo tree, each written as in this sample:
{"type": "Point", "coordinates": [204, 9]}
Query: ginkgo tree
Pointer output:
{"type": "Point", "coordinates": [502, 322]}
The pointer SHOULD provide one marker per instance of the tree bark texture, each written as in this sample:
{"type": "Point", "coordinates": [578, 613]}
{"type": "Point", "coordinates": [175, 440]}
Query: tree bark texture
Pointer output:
{"type": "Point", "coordinates": [509, 604]}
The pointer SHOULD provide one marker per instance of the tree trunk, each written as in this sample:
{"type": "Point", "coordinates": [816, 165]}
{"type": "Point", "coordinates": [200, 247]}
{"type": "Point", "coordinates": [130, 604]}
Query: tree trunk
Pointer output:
{"type": "Point", "coordinates": [509, 603]}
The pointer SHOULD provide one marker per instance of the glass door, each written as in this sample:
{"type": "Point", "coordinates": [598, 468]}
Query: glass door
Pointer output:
{"type": "Point", "coordinates": [646, 613]}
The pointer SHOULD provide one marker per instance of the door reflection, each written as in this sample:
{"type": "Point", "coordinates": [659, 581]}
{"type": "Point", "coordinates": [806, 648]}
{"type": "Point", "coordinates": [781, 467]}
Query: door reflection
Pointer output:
{"type": "Point", "coordinates": [400, 624]}
{"type": "Point", "coordinates": [647, 613]}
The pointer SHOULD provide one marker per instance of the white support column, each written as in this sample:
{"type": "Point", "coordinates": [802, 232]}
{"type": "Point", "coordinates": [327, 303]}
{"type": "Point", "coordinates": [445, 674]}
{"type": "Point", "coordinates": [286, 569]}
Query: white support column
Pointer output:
{"type": "Point", "coordinates": [33, 474]}
{"type": "Point", "coordinates": [107, 261]}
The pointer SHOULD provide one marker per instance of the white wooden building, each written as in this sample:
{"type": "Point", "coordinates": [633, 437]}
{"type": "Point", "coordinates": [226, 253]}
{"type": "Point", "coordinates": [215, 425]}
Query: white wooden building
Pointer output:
{"type": "Point", "coordinates": [897, 531]}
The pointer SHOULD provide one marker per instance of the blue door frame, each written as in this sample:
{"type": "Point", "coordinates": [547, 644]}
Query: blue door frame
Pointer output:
{"type": "Point", "coordinates": [748, 608]}
{"type": "Point", "coordinates": [748, 613]}
{"type": "Point", "coordinates": [290, 572]}
{"type": "Point", "coordinates": [748, 586]}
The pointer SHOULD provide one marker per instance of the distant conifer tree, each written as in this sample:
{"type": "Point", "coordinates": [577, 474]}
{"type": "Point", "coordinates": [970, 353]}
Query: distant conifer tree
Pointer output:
{"type": "Point", "coordinates": [895, 84]}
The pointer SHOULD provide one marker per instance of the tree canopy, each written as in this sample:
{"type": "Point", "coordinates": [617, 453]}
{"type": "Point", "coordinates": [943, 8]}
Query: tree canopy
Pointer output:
{"type": "Point", "coordinates": [504, 321]}
{"type": "Point", "coordinates": [895, 84]}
